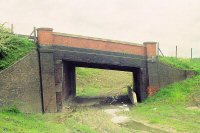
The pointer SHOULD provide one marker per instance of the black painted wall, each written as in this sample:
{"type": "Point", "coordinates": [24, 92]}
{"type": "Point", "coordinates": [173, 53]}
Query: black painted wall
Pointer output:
{"type": "Point", "coordinates": [160, 75]}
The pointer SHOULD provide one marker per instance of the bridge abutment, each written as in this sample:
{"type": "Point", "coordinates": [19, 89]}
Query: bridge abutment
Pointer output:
{"type": "Point", "coordinates": [58, 70]}
{"type": "Point", "coordinates": [152, 68]}
{"type": "Point", "coordinates": [48, 87]}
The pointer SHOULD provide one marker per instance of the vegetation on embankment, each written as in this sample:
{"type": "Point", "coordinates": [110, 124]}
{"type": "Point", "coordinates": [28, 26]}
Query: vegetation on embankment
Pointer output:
{"type": "Point", "coordinates": [14, 121]}
{"type": "Point", "coordinates": [12, 47]}
{"type": "Point", "coordinates": [182, 63]}
{"type": "Point", "coordinates": [176, 106]}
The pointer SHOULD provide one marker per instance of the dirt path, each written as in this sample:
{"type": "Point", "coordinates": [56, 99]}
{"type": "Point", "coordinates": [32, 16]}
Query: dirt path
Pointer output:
{"type": "Point", "coordinates": [112, 112]}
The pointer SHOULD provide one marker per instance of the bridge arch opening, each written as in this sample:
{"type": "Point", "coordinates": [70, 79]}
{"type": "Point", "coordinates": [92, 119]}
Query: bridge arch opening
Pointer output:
{"type": "Point", "coordinates": [69, 87]}
{"type": "Point", "coordinates": [94, 82]}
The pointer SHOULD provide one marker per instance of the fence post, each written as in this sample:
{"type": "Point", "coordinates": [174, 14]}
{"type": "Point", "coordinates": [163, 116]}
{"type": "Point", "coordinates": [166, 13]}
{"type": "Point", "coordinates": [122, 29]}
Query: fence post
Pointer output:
{"type": "Point", "coordinates": [161, 52]}
{"type": "Point", "coordinates": [12, 28]}
{"type": "Point", "coordinates": [176, 51]}
{"type": "Point", "coordinates": [34, 33]}
{"type": "Point", "coordinates": [157, 50]}
{"type": "Point", "coordinates": [191, 53]}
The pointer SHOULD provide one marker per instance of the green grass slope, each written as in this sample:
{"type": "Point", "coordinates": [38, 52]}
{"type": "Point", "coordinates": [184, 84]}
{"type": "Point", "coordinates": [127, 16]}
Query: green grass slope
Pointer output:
{"type": "Point", "coordinates": [176, 106]}
{"type": "Point", "coordinates": [182, 63]}
{"type": "Point", "coordinates": [14, 121]}
{"type": "Point", "coordinates": [99, 82]}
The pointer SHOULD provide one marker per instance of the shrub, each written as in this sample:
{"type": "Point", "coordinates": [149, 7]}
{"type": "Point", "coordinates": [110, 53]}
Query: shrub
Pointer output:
{"type": "Point", "coordinates": [10, 109]}
{"type": "Point", "coordinates": [4, 37]}
{"type": "Point", "coordinates": [12, 47]}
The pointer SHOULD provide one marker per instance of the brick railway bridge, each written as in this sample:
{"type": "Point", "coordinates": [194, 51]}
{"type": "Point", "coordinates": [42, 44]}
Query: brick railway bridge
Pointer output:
{"type": "Point", "coordinates": [60, 53]}
{"type": "Point", "coordinates": [45, 78]}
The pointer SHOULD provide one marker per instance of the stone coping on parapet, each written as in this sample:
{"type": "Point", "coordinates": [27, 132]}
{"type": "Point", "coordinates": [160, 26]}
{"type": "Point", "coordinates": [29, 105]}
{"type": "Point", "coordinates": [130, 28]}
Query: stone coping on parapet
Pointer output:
{"type": "Point", "coordinates": [150, 42]}
{"type": "Point", "coordinates": [96, 39]}
{"type": "Point", "coordinates": [45, 28]}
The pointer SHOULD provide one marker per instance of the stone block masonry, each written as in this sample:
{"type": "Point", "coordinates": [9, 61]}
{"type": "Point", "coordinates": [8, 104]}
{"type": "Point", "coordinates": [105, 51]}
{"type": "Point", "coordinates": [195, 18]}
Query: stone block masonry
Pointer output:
{"type": "Point", "coordinates": [161, 75]}
{"type": "Point", "coordinates": [20, 84]}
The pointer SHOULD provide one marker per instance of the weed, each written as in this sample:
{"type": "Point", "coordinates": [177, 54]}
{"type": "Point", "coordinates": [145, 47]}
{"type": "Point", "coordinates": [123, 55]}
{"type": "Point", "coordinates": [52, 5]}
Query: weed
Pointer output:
{"type": "Point", "coordinates": [10, 109]}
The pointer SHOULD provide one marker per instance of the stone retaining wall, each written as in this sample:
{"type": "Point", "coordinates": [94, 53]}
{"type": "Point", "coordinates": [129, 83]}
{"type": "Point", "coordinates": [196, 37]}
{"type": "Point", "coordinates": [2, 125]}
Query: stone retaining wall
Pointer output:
{"type": "Point", "coordinates": [161, 75]}
{"type": "Point", "coordinates": [20, 84]}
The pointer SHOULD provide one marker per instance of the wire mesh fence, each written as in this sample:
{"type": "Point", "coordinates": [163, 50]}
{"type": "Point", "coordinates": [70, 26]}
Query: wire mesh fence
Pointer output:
{"type": "Point", "coordinates": [180, 52]}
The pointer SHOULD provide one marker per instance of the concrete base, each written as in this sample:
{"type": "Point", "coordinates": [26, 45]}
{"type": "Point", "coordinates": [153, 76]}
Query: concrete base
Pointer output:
{"type": "Point", "coordinates": [132, 96]}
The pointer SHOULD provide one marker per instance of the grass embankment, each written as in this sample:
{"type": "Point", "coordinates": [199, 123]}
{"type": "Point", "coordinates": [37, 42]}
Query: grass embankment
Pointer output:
{"type": "Point", "coordinates": [14, 121]}
{"type": "Point", "coordinates": [97, 82]}
{"type": "Point", "coordinates": [182, 63]}
{"type": "Point", "coordinates": [12, 47]}
{"type": "Point", "coordinates": [176, 106]}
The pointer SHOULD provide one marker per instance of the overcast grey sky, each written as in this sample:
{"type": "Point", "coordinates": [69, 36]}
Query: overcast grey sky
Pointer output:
{"type": "Point", "coordinates": [170, 22]}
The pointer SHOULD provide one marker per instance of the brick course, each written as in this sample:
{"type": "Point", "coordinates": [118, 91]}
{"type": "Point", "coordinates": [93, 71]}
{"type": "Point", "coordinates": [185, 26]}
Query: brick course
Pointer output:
{"type": "Point", "coordinates": [46, 36]}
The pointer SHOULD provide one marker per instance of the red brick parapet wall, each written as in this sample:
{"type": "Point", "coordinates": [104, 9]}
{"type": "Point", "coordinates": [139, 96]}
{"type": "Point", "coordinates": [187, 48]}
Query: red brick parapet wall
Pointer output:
{"type": "Point", "coordinates": [46, 36]}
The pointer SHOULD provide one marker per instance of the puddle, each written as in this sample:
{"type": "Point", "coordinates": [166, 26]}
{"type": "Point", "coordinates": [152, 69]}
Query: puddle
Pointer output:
{"type": "Point", "coordinates": [141, 127]}
{"type": "Point", "coordinates": [194, 108]}
{"type": "Point", "coordinates": [116, 118]}
{"type": "Point", "coordinates": [127, 122]}
{"type": "Point", "coordinates": [120, 119]}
